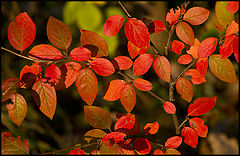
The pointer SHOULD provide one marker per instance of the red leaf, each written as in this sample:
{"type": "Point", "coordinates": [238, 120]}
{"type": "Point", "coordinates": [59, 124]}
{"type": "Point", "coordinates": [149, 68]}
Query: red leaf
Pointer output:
{"type": "Point", "coordinates": [122, 62]}
{"type": "Point", "coordinates": [232, 6]}
{"type": "Point", "coordinates": [134, 50]}
{"type": "Point", "coordinates": [112, 25]}
{"type": "Point", "coordinates": [169, 107]}
{"type": "Point", "coordinates": [162, 68]}
{"type": "Point", "coordinates": [125, 123]}
{"type": "Point", "coordinates": [156, 27]}
{"type": "Point", "coordinates": [94, 133]}
{"type": "Point", "coordinates": [185, 59]}
{"type": "Point", "coordinates": [34, 69]}
{"type": "Point", "coordinates": [92, 38]}
{"type": "Point", "coordinates": [137, 32]}
{"type": "Point", "coordinates": [114, 90]}
{"type": "Point", "coordinates": [13, 146]}
{"type": "Point", "coordinates": [222, 68]}
{"type": "Point", "coordinates": [172, 16]}
{"type": "Point", "coordinates": [21, 32]}
{"type": "Point", "coordinates": [227, 48]}
{"type": "Point", "coordinates": [9, 87]}
{"type": "Point", "coordinates": [232, 28]}
{"type": "Point", "coordinates": [198, 125]}
{"type": "Point", "coordinates": [80, 54]}
{"type": "Point", "coordinates": [177, 46]}
{"type": "Point", "coordinates": [142, 146]}
{"type": "Point", "coordinates": [158, 152]}
{"type": "Point", "coordinates": [185, 33]}
{"type": "Point", "coordinates": [190, 136]}
{"type": "Point", "coordinates": [151, 128]}
{"type": "Point", "coordinates": [58, 33]}
{"type": "Point", "coordinates": [102, 66]}
{"type": "Point", "coordinates": [194, 48]}
{"type": "Point", "coordinates": [18, 110]}
{"type": "Point", "coordinates": [196, 15]}
{"type": "Point", "coordinates": [207, 47]}
{"type": "Point", "coordinates": [76, 152]}
{"type": "Point", "coordinates": [173, 142]}
{"type": "Point", "coordinates": [97, 117]}
{"type": "Point", "coordinates": [128, 97]}
{"type": "Point", "coordinates": [202, 65]}
{"type": "Point", "coordinates": [45, 52]}
{"type": "Point", "coordinates": [201, 105]}
{"type": "Point", "coordinates": [142, 64]}
{"type": "Point", "coordinates": [172, 151]}
{"type": "Point", "coordinates": [114, 137]}
{"type": "Point", "coordinates": [142, 84]}
{"type": "Point", "coordinates": [197, 78]}
{"type": "Point", "coordinates": [69, 72]}
{"type": "Point", "coordinates": [184, 88]}
{"type": "Point", "coordinates": [53, 73]}
{"type": "Point", "coordinates": [87, 85]}
{"type": "Point", "coordinates": [236, 48]}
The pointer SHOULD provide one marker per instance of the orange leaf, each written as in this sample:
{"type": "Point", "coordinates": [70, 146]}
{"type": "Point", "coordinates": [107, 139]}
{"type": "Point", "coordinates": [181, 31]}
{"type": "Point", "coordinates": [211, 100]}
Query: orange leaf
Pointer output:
{"type": "Point", "coordinates": [172, 16]}
{"type": "Point", "coordinates": [112, 25]}
{"type": "Point", "coordinates": [158, 152]}
{"type": "Point", "coordinates": [198, 125]}
{"type": "Point", "coordinates": [173, 142]}
{"type": "Point", "coordinates": [142, 146]}
{"type": "Point", "coordinates": [194, 48]}
{"type": "Point", "coordinates": [190, 136]}
{"type": "Point", "coordinates": [76, 152]}
{"type": "Point", "coordinates": [125, 123]}
{"type": "Point", "coordinates": [142, 64]}
{"type": "Point", "coordinates": [162, 68]}
{"type": "Point", "coordinates": [232, 28]}
{"type": "Point", "coordinates": [169, 107]}
{"type": "Point", "coordinates": [172, 151]}
{"type": "Point", "coordinates": [196, 15]}
{"type": "Point", "coordinates": [9, 87]}
{"type": "Point", "coordinates": [128, 97]}
{"type": "Point", "coordinates": [142, 84]}
{"type": "Point", "coordinates": [102, 66]}
{"type": "Point", "coordinates": [35, 69]}
{"type": "Point", "coordinates": [177, 46]}
{"type": "Point", "coordinates": [185, 33]}
{"type": "Point", "coordinates": [197, 78]}
{"type": "Point", "coordinates": [114, 90]}
{"type": "Point", "coordinates": [202, 65]}
{"type": "Point", "coordinates": [151, 128]}
{"type": "Point", "coordinates": [94, 133]}
{"type": "Point", "coordinates": [236, 48]}
{"type": "Point", "coordinates": [122, 62]}
{"type": "Point", "coordinates": [227, 48]}
{"type": "Point", "coordinates": [207, 47]}
{"type": "Point", "coordinates": [184, 88]}
{"type": "Point", "coordinates": [80, 54]}
{"type": "Point", "coordinates": [156, 27]}
{"type": "Point", "coordinates": [232, 6]}
{"type": "Point", "coordinates": [87, 85]}
{"type": "Point", "coordinates": [185, 59]}
{"type": "Point", "coordinates": [52, 74]}
{"type": "Point", "coordinates": [108, 148]}
{"type": "Point", "coordinates": [134, 50]}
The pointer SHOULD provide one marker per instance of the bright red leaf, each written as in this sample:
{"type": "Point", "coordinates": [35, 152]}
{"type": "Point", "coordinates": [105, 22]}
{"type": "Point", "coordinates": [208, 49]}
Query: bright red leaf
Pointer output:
{"type": "Point", "coordinates": [162, 68]}
{"type": "Point", "coordinates": [202, 65]}
{"type": "Point", "coordinates": [80, 54]}
{"type": "Point", "coordinates": [198, 125]}
{"type": "Point", "coordinates": [232, 6]}
{"type": "Point", "coordinates": [76, 152]}
{"type": "Point", "coordinates": [156, 27]}
{"type": "Point", "coordinates": [172, 16]}
{"type": "Point", "coordinates": [97, 117]}
{"type": "Point", "coordinates": [142, 64]}
{"type": "Point", "coordinates": [197, 78]}
{"type": "Point", "coordinates": [87, 85]}
{"type": "Point", "coordinates": [185, 33]}
{"type": "Point", "coordinates": [142, 146]}
{"type": "Point", "coordinates": [21, 32]}
{"type": "Point", "coordinates": [184, 88]}
{"type": "Point", "coordinates": [185, 59]}
{"type": "Point", "coordinates": [173, 142]}
{"type": "Point", "coordinates": [190, 137]}
{"type": "Point", "coordinates": [236, 48]}
{"type": "Point", "coordinates": [194, 48]}
{"type": "Point", "coordinates": [125, 123]}
{"type": "Point", "coordinates": [196, 15]}
{"type": "Point", "coordinates": [201, 105]}
{"type": "Point", "coordinates": [177, 46]}
{"type": "Point", "coordinates": [114, 90]}
{"type": "Point", "coordinates": [128, 97]}
{"type": "Point", "coordinates": [151, 128]}
{"type": "Point", "coordinates": [134, 50]}
{"type": "Point", "coordinates": [227, 48]}
{"type": "Point", "coordinates": [9, 87]}
{"type": "Point", "coordinates": [169, 107]}
{"type": "Point", "coordinates": [102, 66]}
{"type": "Point", "coordinates": [115, 137]}
{"type": "Point", "coordinates": [94, 133]}
{"type": "Point", "coordinates": [122, 62]}
{"type": "Point", "coordinates": [158, 152]}
{"type": "Point", "coordinates": [53, 73]}
{"type": "Point", "coordinates": [207, 47]}
{"type": "Point", "coordinates": [137, 32]}
{"type": "Point", "coordinates": [112, 25]}
{"type": "Point", "coordinates": [232, 28]}
{"type": "Point", "coordinates": [142, 84]}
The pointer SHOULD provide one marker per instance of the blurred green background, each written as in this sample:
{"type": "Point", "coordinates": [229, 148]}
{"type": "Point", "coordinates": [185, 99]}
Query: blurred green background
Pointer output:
{"type": "Point", "coordinates": [69, 124]}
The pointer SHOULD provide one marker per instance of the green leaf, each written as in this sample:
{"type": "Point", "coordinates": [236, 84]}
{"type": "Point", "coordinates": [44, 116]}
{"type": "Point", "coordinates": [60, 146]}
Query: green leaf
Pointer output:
{"type": "Point", "coordinates": [223, 16]}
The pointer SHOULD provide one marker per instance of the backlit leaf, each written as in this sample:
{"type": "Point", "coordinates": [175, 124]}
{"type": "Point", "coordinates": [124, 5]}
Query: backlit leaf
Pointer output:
{"type": "Point", "coordinates": [172, 151]}
{"type": "Point", "coordinates": [226, 49]}
{"type": "Point", "coordinates": [196, 15]}
{"type": "Point", "coordinates": [177, 46]}
{"type": "Point", "coordinates": [142, 84]}
{"type": "Point", "coordinates": [21, 32]}
{"type": "Point", "coordinates": [52, 74]}
{"type": "Point", "coordinates": [128, 97]}
{"type": "Point", "coordinates": [173, 142]}
{"type": "Point", "coordinates": [115, 137]}
{"type": "Point", "coordinates": [224, 17]}
{"type": "Point", "coordinates": [114, 90]}
{"type": "Point", "coordinates": [137, 32]}
{"type": "Point", "coordinates": [87, 85]}
{"type": "Point", "coordinates": [232, 6]}
{"type": "Point", "coordinates": [97, 117]}
{"type": "Point", "coordinates": [9, 87]}
{"type": "Point", "coordinates": [94, 133]}
{"type": "Point", "coordinates": [158, 152]}
{"type": "Point", "coordinates": [232, 28]}
{"type": "Point", "coordinates": [169, 107]}
{"type": "Point", "coordinates": [185, 33]}
{"type": "Point", "coordinates": [108, 148]}
{"type": "Point", "coordinates": [142, 64]}
{"type": "Point", "coordinates": [142, 146]}
{"type": "Point", "coordinates": [222, 68]}
{"type": "Point", "coordinates": [194, 48]}
{"type": "Point", "coordinates": [122, 62]}
{"type": "Point", "coordinates": [184, 88]}
{"type": "Point", "coordinates": [207, 47]}
{"type": "Point", "coordinates": [190, 137]}
{"type": "Point", "coordinates": [76, 152]}
{"type": "Point", "coordinates": [156, 27]}
{"type": "Point", "coordinates": [162, 68]}
{"type": "Point", "coordinates": [198, 125]}
{"type": "Point", "coordinates": [172, 16]}
{"type": "Point", "coordinates": [35, 69]}
{"type": "Point", "coordinates": [112, 25]}
{"type": "Point", "coordinates": [125, 123]}
{"type": "Point", "coordinates": [202, 65]}
{"type": "Point", "coordinates": [134, 50]}
{"type": "Point", "coordinates": [185, 59]}
{"type": "Point", "coordinates": [102, 66]}
{"type": "Point", "coordinates": [201, 105]}
{"type": "Point", "coordinates": [80, 54]}
{"type": "Point", "coordinates": [197, 78]}
{"type": "Point", "coordinates": [236, 48]}
{"type": "Point", "coordinates": [151, 128]}
{"type": "Point", "coordinates": [58, 33]}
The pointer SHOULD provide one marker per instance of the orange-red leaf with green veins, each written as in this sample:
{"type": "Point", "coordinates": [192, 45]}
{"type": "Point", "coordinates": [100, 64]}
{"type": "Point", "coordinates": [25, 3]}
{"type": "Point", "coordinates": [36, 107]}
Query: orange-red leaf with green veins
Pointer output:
{"type": "Point", "coordinates": [102, 66]}
{"type": "Point", "coordinates": [109, 148]}
{"type": "Point", "coordinates": [177, 46]}
{"type": "Point", "coordinates": [137, 32]}
{"type": "Point", "coordinates": [158, 152]}
{"type": "Point", "coordinates": [9, 87]}
{"type": "Point", "coordinates": [224, 17]}
{"type": "Point", "coordinates": [69, 72]}
{"type": "Point", "coordinates": [162, 68]}
{"type": "Point", "coordinates": [232, 28]}
{"type": "Point", "coordinates": [198, 125]}
{"type": "Point", "coordinates": [173, 142]}
{"type": "Point", "coordinates": [58, 33]}
{"type": "Point", "coordinates": [232, 6]}
{"type": "Point", "coordinates": [226, 49]}
{"type": "Point", "coordinates": [184, 88]}
{"type": "Point", "coordinates": [194, 48]}
{"type": "Point", "coordinates": [45, 52]}
{"type": "Point", "coordinates": [172, 151]}
{"type": "Point", "coordinates": [142, 64]}
{"type": "Point", "coordinates": [207, 47]}
{"type": "Point", "coordinates": [142, 84]}
{"type": "Point", "coordinates": [87, 85]}
{"type": "Point", "coordinates": [76, 152]}
{"type": "Point", "coordinates": [134, 50]}
{"type": "Point", "coordinates": [196, 15]}
{"type": "Point", "coordinates": [45, 98]}
{"type": "Point", "coordinates": [151, 128]}
{"type": "Point", "coordinates": [97, 117]}
{"type": "Point", "coordinates": [128, 97]}
{"type": "Point", "coordinates": [185, 33]}
{"type": "Point", "coordinates": [52, 74]}
{"type": "Point", "coordinates": [190, 137]}
{"type": "Point", "coordinates": [122, 62]}
{"type": "Point", "coordinates": [125, 123]}
{"type": "Point", "coordinates": [169, 107]}
{"type": "Point", "coordinates": [80, 54]}
{"type": "Point", "coordinates": [236, 48]}
{"type": "Point", "coordinates": [112, 25]}
{"type": "Point", "coordinates": [202, 65]}
{"type": "Point", "coordinates": [18, 110]}
{"type": "Point", "coordinates": [94, 134]}
{"type": "Point", "coordinates": [115, 137]}
{"type": "Point", "coordinates": [13, 146]}
{"type": "Point", "coordinates": [142, 146]}
{"type": "Point", "coordinates": [201, 105]}
{"type": "Point", "coordinates": [21, 32]}
{"type": "Point", "coordinates": [172, 16]}
{"type": "Point", "coordinates": [185, 59]}
{"type": "Point", "coordinates": [92, 38]}
{"type": "Point", "coordinates": [114, 90]}
{"type": "Point", "coordinates": [222, 68]}
{"type": "Point", "coordinates": [197, 78]}
{"type": "Point", "coordinates": [156, 27]}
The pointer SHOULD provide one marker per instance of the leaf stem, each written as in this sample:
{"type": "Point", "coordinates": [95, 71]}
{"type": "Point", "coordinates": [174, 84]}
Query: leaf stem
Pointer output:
{"type": "Point", "coordinates": [183, 122]}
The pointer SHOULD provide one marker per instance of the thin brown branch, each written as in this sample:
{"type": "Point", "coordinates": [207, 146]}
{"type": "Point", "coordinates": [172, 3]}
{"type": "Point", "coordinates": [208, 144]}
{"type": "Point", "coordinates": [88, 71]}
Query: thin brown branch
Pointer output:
{"type": "Point", "coordinates": [183, 122]}
{"type": "Point", "coordinates": [169, 38]}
